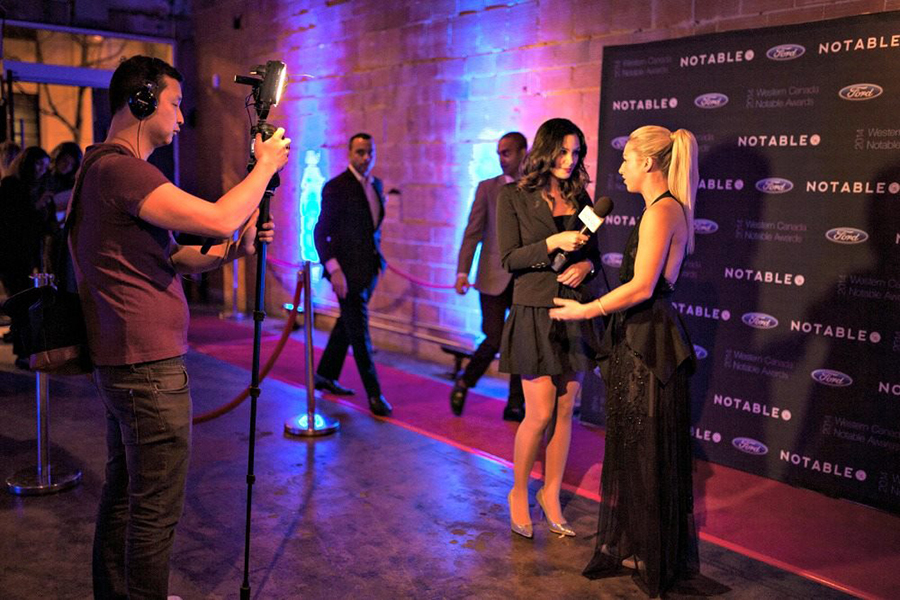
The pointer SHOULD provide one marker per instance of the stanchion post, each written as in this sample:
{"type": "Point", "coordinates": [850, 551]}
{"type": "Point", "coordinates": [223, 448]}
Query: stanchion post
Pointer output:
{"type": "Point", "coordinates": [310, 424]}
{"type": "Point", "coordinates": [235, 285]}
{"type": "Point", "coordinates": [43, 478]}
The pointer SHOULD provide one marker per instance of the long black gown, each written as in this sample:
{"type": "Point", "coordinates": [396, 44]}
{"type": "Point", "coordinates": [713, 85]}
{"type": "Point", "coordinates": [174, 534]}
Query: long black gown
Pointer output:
{"type": "Point", "coordinates": [646, 508]}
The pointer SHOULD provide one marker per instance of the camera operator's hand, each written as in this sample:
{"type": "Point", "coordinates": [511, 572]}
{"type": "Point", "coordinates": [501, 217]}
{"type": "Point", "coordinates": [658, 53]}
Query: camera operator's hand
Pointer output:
{"type": "Point", "coordinates": [249, 234]}
{"type": "Point", "coordinates": [272, 153]}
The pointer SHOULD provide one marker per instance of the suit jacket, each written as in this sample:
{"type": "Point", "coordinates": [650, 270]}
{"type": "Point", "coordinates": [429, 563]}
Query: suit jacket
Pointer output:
{"type": "Point", "coordinates": [524, 222]}
{"type": "Point", "coordinates": [492, 278]}
{"type": "Point", "coordinates": [346, 231]}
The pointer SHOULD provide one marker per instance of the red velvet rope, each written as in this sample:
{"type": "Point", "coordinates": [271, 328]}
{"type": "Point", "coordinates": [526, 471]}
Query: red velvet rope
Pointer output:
{"type": "Point", "coordinates": [285, 334]}
{"type": "Point", "coordinates": [418, 281]}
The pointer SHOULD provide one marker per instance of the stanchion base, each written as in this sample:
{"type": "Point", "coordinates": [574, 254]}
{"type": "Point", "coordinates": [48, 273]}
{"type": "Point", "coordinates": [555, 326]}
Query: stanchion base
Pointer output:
{"type": "Point", "coordinates": [57, 478]}
{"type": "Point", "coordinates": [322, 425]}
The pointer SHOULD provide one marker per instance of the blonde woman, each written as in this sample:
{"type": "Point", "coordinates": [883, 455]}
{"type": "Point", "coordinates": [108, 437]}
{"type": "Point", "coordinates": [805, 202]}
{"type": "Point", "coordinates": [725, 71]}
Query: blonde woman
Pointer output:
{"type": "Point", "coordinates": [646, 521]}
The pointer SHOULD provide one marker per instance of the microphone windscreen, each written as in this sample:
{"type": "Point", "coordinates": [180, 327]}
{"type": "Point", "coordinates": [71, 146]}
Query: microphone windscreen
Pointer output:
{"type": "Point", "coordinates": [603, 206]}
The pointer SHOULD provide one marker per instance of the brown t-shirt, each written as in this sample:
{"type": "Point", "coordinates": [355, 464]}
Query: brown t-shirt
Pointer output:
{"type": "Point", "coordinates": [133, 301]}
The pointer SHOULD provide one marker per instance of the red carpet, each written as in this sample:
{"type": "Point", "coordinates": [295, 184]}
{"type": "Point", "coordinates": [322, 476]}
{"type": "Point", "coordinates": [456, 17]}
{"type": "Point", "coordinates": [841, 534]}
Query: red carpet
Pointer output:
{"type": "Point", "coordinates": [847, 546]}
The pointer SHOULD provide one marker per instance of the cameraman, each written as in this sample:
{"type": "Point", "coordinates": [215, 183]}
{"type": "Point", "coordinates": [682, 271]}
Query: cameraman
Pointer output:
{"type": "Point", "coordinates": [128, 268]}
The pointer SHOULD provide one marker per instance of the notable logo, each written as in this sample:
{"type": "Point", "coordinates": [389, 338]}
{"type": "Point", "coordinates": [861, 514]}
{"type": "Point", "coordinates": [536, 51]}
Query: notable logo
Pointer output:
{"type": "Point", "coordinates": [822, 466]}
{"type": "Point", "coordinates": [716, 58]}
{"type": "Point", "coordinates": [853, 187]}
{"type": "Point", "coordinates": [836, 331]}
{"type": "Point", "coordinates": [853, 44]}
{"type": "Point", "coordinates": [612, 259]}
{"type": "Point", "coordinates": [700, 352]}
{"type": "Point", "coordinates": [785, 52]}
{"type": "Point", "coordinates": [861, 91]}
{"type": "Point", "coordinates": [720, 184]}
{"type": "Point", "coordinates": [705, 226]}
{"type": "Point", "coordinates": [750, 446]}
{"type": "Point", "coordinates": [887, 387]}
{"type": "Point", "coordinates": [754, 408]}
{"type": "Point", "coordinates": [711, 100]}
{"type": "Point", "coordinates": [759, 320]}
{"type": "Point", "coordinates": [645, 104]}
{"type": "Point", "coordinates": [846, 235]}
{"type": "Point", "coordinates": [832, 378]}
{"type": "Point", "coordinates": [698, 310]}
{"type": "Point", "coordinates": [775, 277]}
{"type": "Point", "coordinates": [706, 435]}
{"type": "Point", "coordinates": [774, 185]}
{"type": "Point", "coordinates": [619, 142]}
{"type": "Point", "coordinates": [782, 140]}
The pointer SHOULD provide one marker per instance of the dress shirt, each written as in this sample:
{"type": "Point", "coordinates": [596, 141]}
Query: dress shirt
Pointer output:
{"type": "Point", "coordinates": [371, 196]}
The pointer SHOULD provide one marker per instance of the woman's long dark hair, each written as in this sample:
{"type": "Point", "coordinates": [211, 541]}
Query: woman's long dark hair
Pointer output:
{"type": "Point", "coordinates": [22, 168]}
{"type": "Point", "coordinates": [548, 143]}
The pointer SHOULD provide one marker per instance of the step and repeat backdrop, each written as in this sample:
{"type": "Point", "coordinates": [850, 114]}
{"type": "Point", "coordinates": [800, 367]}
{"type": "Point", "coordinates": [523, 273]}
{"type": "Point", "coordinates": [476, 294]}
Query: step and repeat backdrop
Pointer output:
{"type": "Point", "coordinates": [792, 297]}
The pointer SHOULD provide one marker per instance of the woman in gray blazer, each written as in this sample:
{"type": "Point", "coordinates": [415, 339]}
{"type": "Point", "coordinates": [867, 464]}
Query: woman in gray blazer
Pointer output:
{"type": "Point", "coordinates": [537, 218]}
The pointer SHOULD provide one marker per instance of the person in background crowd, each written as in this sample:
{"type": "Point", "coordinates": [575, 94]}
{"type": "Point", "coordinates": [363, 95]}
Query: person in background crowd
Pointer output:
{"type": "Point", "coordinates": [64, 162]}
{"type": "Point", "coordinates": [537, 218]}
{"type": "Point", "coordinates": [127, 266]}
{"type": "Point", "coordinates": [9, 150]}
{"type": "Point", "coordinates": [24, 229]}
{"type": "Point", "coordinates": [494, 283]}
{"type": "Point", "coordinates": [646, 521]}
{"type": "Point", "coordinates": [348, 240]}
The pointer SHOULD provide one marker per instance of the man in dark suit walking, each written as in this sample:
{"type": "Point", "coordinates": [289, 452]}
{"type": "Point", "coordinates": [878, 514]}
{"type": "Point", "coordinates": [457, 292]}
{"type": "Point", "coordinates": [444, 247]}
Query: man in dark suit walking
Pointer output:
{"type": "Point", "coordinates": [493, 282]}
{"type": "Point", "coordinates": [348, 240]}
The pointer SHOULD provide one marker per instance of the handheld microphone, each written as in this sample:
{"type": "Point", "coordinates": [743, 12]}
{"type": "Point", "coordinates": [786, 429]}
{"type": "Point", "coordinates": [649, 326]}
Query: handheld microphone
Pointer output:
{"type": "Point", "coordinates": [592, 217]}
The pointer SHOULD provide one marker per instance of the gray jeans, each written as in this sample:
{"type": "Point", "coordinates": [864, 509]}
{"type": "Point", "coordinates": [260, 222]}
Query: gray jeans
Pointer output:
{"type": "Point", "coordinates": [148, 440]}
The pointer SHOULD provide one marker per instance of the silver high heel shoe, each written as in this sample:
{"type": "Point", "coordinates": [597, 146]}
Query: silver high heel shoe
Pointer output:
{"type": "Point", "coordinates": [563, 528]}
{"type": "Point", "coordinates": [526, 530]}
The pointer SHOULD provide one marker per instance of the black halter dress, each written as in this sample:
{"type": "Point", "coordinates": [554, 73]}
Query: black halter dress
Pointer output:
{"type": "Point", "coordinates": [646, 510]}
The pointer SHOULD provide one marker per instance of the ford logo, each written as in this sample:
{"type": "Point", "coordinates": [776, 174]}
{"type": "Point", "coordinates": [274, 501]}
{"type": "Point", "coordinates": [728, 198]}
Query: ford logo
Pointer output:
{"type": "Point", "coordinates": [861, 91]}
{"type": "Point", "coordinates": [612, 259]}
{"type": "Point", "coordinates": [759, 320]}
{"type": "Point", "coordinates": [786, 52]}
{"type": "Point", "coordinates": [750, 446]}
{"type": "Point", "coordinates": [774, 185]}
{"type": "Point", "coordinates": [700, 351]}
{"type": "Point", "coordinates": [705, 226]}
{"type": "Point", "coordinates": [832, 378]}
{"type": "Point", "coordinates": [846, 235]}
{"type": "Point", "coordinates": [711, 100]}
{"type": "Point", "coordinates": [619, 142]}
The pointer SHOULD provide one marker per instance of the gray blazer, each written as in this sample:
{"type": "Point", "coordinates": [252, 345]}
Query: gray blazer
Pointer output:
{"type": "Point", "coordinates": [492, 278]}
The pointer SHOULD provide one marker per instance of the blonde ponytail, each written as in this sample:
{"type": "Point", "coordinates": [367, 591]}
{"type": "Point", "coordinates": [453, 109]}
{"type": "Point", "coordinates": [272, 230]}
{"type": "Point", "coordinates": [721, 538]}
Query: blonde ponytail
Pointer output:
{"type": "Point", "coordinates": [684, 176]}
{"type": "Point", "coordinates": [676, 155]}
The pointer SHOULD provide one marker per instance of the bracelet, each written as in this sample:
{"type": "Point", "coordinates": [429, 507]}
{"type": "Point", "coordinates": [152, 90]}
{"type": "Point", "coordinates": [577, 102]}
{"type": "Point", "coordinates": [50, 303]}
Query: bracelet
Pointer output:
{"type": "Point", "coordinates": [602, 309]}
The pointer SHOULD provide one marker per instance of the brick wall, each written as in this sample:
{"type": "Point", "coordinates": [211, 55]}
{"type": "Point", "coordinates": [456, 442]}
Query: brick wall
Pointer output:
{"type": "Point", "coordinates": [435, 82]}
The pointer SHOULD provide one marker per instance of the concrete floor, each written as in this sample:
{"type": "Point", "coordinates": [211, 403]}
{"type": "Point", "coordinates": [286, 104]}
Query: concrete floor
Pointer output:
{"type": "Point", "coordinates": [376, 511]}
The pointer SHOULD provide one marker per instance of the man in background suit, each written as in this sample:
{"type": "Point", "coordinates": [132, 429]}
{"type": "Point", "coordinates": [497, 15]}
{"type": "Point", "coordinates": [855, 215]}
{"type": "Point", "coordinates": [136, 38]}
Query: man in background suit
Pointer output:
{"type": "Point", "coordinates": [493, 282]}
{"type": "Point", "coordinates": [348, 240]}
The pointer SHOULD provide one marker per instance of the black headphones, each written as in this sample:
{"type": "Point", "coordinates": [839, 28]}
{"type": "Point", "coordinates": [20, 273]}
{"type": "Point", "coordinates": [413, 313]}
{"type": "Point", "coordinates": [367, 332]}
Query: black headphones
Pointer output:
{"type": "Point", "coordinates": [143, 101]}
